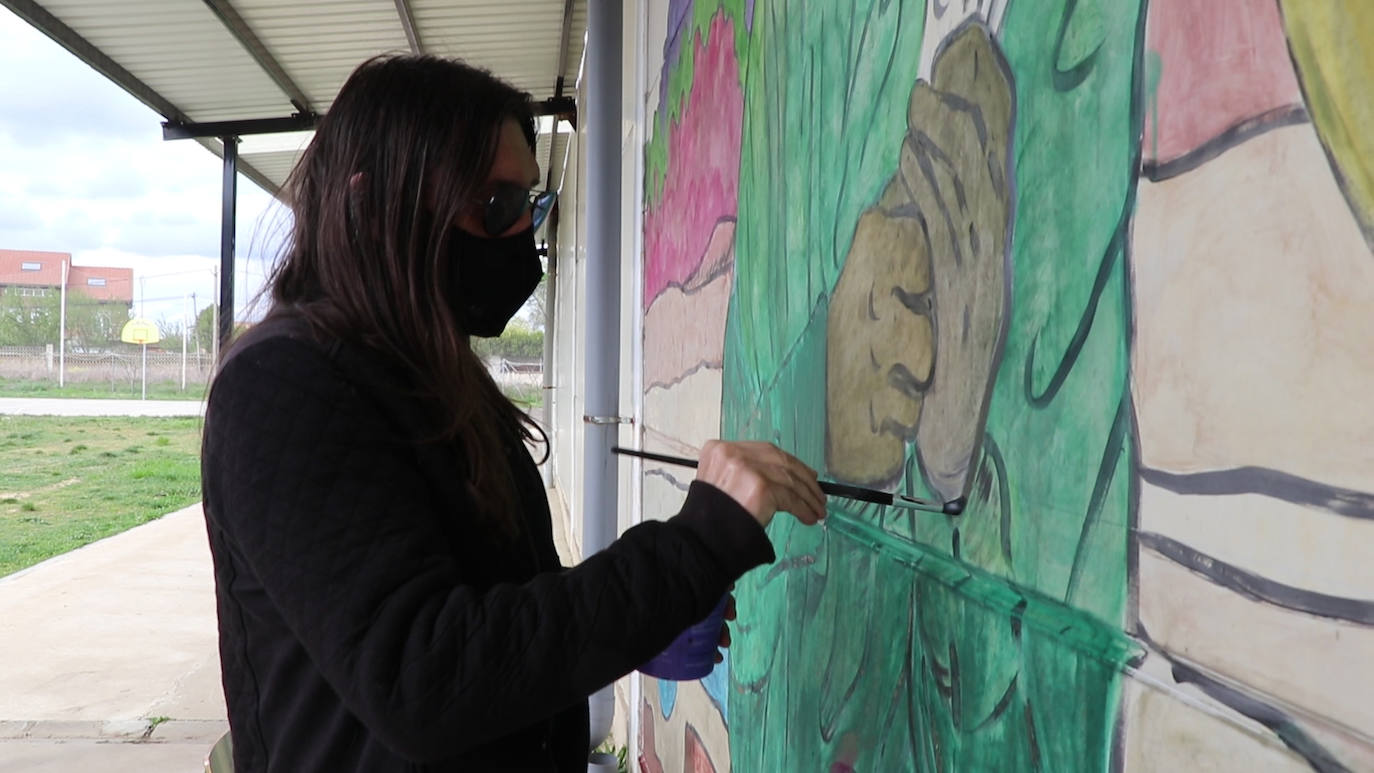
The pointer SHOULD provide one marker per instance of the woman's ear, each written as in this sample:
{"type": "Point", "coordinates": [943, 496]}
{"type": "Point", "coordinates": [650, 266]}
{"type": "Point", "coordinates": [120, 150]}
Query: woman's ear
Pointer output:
{"type": "Point", "coordinates": [355, 183]}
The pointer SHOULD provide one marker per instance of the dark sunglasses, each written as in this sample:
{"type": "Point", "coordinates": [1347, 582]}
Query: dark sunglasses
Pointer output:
{"type": "Point", "coordinates": [510, 201]}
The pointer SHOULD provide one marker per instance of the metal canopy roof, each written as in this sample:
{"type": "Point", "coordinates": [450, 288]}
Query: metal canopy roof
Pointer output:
{"type": "Point", "coordinates": [235, 60]}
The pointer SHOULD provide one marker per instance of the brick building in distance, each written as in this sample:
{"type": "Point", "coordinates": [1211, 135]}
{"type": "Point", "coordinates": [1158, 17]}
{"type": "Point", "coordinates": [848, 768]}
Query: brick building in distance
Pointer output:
{"type": "Point", "coordinates": [38, 273]}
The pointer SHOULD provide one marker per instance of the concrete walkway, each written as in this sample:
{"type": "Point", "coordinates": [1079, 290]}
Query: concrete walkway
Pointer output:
{"type": "Point", "coordinates": [109, 654]}
{"type": "Point", "coordinates": [99, 645]}
{"type": "Point", "coordinates": [64, 406]}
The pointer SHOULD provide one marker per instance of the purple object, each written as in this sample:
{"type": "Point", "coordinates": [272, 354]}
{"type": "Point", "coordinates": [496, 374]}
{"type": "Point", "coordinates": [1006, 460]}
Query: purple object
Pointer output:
{"type": "Point", "coordinates": [692, 655]}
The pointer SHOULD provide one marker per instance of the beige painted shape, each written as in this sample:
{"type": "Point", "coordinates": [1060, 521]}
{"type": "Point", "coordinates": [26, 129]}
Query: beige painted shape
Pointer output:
{"type": "Point", "coordinates": [683, 331]}
{"type": "Point", "coordinates": [1300, 546]}
{"type": "Point", "coordinates": [662, 500]}
{"type": "Point", "coordinates": [1165, 733]}
{"type": "Point", "coordinates": [1254, 300]}
{"type": "Point", "coordinates": [661, 443]}
{"type": "Point", "coordinates": [1321, 666]}
{"type": "Point", "coordinates": [688, 411]}
{"type": "Point", "coordinates": [695, 706]}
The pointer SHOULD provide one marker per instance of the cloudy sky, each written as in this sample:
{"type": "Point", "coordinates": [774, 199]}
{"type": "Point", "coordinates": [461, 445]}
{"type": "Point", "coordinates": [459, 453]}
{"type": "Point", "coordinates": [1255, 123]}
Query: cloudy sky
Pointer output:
{"type": "Point", "coordinates": [84, 170]}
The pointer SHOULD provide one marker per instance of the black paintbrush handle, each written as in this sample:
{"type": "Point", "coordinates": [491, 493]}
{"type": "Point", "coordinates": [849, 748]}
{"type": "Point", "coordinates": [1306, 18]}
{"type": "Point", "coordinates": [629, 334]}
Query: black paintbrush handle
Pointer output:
{"type": "Point", "coordinates": [837, 489]}
{"type": "Point", "coordinates": [666, 459]}
{"type": "Point", "coordinates": [856, 492]}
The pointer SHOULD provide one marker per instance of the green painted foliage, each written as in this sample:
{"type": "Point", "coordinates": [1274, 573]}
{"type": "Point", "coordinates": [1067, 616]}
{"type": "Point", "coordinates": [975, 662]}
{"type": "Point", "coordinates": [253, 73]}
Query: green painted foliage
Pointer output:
{"type": "Point", "coordinates": [849, 654]}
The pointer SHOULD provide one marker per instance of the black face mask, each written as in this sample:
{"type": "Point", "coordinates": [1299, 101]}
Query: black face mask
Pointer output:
{"type": "Point", "coordinates": [491, 279]}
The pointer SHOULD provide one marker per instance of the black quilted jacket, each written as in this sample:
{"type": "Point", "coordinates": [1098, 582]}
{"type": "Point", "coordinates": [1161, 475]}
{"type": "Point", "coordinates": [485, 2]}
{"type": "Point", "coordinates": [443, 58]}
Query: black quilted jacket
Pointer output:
{"type": "Point", "coordinates": [368, 624]}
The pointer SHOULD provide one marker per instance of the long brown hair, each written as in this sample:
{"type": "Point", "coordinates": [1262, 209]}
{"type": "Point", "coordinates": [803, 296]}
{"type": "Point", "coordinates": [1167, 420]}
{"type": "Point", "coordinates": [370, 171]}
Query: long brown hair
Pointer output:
{"type": "Point", "coordinates": [405, 146]}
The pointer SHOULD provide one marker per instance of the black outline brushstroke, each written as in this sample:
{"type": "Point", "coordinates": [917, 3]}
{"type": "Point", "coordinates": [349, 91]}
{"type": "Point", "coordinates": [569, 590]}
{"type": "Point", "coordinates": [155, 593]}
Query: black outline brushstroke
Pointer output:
{"type": "Point", "coordinates": [956, 691]}
{"type": "Point", "coordinates": [1003, 703]}
{"type": "Point", "coordinates": [1268, 482]}
{"type": "Point", "coordinates": [908, 669]}
{"type": "Point", "coordinates": [853, 53]}
{"type": "Point", "coordinates": [1139, 102]}
{"type": "Point", "coordinates": [1106, 473]}
{"type": "Point", "coordinates": [1278, 722]}
{"type": "Point", "coordinates": [787, 565]}
{"type": "Point", "coordinates": [1115, 249]}
{"type": "Point", "coordinates": [690, 285]}
{"type": "Point", "coordinates": [994, 452]}
{"type": "Point", "coordinates": [1036, 764]}
{"type": "Point", "coordinates": [1018, 612]}
{"type": "Point", "coordinates": [1132, 609]}
{"type": "Point", "coordinates": [696, 368]}
{"type": "Point", "coordinates": [921, 147]}
{"type": "Point", "coordinates": [1236, 134]}
{"type": "Point", "coordinates": [668, 477]}
{"type": "Point", "coordinates": [1070, 79]}
{"type": "Point", "coordinates": [1257, 588]}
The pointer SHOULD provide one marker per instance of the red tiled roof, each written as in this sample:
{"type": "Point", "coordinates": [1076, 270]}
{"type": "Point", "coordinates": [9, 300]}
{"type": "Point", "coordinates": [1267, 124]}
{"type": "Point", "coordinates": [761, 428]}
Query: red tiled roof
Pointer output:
{"type": "Point", "coordinates": [49, 273]}
{"type": "Point", "coordinates": [110, 284]}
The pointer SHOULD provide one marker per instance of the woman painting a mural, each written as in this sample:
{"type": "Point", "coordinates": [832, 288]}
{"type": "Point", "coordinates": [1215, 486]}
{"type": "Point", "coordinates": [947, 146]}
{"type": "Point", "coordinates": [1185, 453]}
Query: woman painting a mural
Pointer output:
{"type": "Point", "coordinates": [388, 591]}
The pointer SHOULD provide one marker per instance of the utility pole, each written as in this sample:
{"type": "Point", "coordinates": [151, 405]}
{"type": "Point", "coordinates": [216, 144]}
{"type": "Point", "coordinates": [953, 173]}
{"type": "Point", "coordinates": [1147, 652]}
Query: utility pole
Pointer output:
{"type": "Point", "coordinates": [214, 340]}
{"type": "Point", "coordinates": [62, 332]}
{"type": "Point", "coordinates": [184, 332]}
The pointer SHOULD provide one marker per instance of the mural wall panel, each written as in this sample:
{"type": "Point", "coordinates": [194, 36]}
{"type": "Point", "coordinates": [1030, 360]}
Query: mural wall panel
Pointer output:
{"type": "Point", "coordinates": [1101, 270]}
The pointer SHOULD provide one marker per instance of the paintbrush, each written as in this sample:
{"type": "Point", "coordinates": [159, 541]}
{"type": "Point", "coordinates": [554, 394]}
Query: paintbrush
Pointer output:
{"type": "Point", "coordinates": [952, 507]}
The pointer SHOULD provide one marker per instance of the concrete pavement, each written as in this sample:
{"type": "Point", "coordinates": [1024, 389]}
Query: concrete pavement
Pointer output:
{"type": "Point", "coordinates": [109, 659]}
{"type": "Point", "coordinates": [64, 406]}
{"type": "Point", "coordinates": [108, 655]}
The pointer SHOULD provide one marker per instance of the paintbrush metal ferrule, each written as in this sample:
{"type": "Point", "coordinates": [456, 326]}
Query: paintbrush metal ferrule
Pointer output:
{"type": "Point", "coordinates": [952, 507]}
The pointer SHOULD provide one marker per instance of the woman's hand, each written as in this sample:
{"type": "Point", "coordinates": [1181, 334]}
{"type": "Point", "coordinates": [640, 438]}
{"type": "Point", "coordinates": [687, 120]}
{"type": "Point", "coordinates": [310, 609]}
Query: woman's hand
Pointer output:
{"type": "Point", "coordinates": [763, 479]}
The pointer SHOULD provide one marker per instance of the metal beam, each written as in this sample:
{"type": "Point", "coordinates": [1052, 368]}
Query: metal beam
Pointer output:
{"type": "Point", "coordinates": [187, 130]}
{"type": "Point", "coordinates": [562, 107]}
{"type": "Point", "coordinates": [228, 220]}
{"type": "Point", "coordinates": [408, 24]}
{"type": "Point", "coordinates": [558, 93]}
{"type": "Point", "coordinates": [82, 49]}
{"type": "Point", "coordinates": [249, 40]}
{"type": "Point", "coordinates": [563, 41]}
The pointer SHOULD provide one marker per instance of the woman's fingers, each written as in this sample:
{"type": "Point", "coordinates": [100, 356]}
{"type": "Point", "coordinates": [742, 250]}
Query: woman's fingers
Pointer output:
{"type": "Point", "coordinates": [763, 478]}
{"type": "Point", "coordinates": [803, 497]}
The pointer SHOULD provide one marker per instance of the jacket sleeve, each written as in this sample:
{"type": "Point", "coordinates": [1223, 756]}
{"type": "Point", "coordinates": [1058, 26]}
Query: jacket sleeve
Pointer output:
{"type": "Point", "coordinates": [319, 495]}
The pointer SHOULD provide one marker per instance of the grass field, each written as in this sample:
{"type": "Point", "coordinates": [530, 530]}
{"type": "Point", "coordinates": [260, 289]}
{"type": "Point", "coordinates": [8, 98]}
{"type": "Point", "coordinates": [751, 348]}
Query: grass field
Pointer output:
{"type": "Point", "coordinates": [66, 482]}
{"type": "Point", "coordinates": [157, 390]}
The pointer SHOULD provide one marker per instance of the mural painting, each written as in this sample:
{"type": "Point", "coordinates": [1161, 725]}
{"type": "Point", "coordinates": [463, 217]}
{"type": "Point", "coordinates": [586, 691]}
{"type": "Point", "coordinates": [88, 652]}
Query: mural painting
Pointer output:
{"type": "Point", "coordinates": [689, 239]}
{"type": "Point", "coordinates": [1253, 282]}
{"type": "Point", "coordinates": [1101, 268]}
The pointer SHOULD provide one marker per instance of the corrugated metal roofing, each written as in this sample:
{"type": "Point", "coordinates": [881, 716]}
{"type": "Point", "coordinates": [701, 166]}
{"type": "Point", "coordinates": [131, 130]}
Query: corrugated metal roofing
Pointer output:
{"type": "Point", "coordinates": [222, 60]}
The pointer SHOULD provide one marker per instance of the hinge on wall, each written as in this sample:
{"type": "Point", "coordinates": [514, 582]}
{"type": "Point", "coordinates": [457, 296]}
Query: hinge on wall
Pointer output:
{"type": "Point", "coordinates": [607, 420]}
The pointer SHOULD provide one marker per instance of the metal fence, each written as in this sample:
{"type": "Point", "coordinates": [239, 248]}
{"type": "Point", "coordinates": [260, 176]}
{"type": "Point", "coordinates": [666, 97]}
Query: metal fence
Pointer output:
{"type": "Point", "coordinates": [122, 367]}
